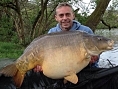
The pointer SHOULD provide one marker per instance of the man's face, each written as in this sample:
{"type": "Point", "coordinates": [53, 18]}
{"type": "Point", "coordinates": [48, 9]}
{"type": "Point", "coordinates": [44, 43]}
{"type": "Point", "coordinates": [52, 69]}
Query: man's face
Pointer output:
{"type": "Point", "coordinates": [64, 16]}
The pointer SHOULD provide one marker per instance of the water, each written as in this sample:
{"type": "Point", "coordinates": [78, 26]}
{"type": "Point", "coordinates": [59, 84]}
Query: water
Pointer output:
{"type": "Point", "coordinates": [109, 58]}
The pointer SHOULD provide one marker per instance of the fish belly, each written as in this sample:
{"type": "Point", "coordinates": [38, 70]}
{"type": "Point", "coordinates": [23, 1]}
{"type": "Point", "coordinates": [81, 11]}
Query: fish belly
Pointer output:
{"type": "Point", "coordinates": [61, 69]}
{"type": "Point", "coordinates": [60, 63]}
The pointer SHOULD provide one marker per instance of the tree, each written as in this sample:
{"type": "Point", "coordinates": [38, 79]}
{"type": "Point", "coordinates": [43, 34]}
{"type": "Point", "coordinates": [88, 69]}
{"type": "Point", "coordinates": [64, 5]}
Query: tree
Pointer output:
{"type": "Point", "coordinates": [97, 15]}
{"type": "Point", "coordinates": [17, 16]}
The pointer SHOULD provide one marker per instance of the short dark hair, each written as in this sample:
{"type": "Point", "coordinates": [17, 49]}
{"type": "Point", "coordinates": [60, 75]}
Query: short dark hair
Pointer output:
{"type": "Point", "coordinates": [63, 4]}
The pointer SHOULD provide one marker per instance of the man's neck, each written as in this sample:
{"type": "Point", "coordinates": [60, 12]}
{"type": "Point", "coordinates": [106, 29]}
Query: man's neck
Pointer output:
{"type": "Point", "coordinates": [65, 29]}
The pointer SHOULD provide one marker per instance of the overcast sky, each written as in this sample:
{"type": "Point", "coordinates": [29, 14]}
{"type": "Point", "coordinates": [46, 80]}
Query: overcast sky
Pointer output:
{"type": "Point", "coordinates": [83, 7]}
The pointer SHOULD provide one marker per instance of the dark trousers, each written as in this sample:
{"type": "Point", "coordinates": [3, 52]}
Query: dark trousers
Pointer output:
{"type": "Point", "coordinates": [89, 78]}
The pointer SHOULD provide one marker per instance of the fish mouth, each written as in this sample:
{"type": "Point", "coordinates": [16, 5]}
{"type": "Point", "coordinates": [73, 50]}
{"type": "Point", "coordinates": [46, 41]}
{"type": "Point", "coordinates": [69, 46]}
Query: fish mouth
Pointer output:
{"type": "Point", "coordinates": [110, 47]}
{"type": "Point", "coordinates": [110, 44]}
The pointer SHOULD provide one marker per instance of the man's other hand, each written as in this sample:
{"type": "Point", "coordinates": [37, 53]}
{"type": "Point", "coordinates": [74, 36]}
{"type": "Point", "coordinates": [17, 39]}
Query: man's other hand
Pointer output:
{"type": "Point", "coordinates": [37, 68]}
{"type": "Point", "coordinates": [94, 59]}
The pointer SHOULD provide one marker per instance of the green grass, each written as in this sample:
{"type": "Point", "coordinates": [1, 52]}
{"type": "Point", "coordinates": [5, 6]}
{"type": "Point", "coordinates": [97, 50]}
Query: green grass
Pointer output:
{"type": "Point", "coordinates": [10, 50]}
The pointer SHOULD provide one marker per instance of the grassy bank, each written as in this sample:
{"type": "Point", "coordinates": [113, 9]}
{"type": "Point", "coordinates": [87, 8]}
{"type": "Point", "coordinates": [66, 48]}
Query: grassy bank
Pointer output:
{"type": "Point", "coordinates": [10, 50]}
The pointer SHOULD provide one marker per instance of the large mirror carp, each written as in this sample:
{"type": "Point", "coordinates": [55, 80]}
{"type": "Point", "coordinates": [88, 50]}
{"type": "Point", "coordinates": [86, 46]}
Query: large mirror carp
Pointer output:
{"type": "Point", "coordinates": [61, 55]}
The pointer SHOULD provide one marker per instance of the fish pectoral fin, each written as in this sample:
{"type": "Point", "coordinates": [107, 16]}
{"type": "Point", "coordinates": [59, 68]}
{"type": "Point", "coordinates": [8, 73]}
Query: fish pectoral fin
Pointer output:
{"type": "Point", "coordinates": [72, 78]}
{"type": "Point", "coordinates": [18, 78]}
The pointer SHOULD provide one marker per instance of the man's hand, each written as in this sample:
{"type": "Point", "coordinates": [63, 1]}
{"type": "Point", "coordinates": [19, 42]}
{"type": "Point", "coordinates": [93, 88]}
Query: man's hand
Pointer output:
{"type": "Point", "coordinates": [38, 69]}
{"type": "Point", "coordinates": [94, 59]}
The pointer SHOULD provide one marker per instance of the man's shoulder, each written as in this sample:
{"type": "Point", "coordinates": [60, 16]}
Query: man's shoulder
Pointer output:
{"type": "Point", "coordinates": [54, 29]}
{"type": "Point", "coordinates": [79, 26]}
{"type": "Point", "coordinates": [86, 28]}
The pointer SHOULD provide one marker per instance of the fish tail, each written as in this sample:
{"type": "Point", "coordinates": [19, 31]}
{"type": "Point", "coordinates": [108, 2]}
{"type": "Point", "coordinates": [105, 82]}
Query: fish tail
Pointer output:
{"type": "Point", "coordinates": [18, 78]}
{"type": "Point", "coordinates": [12, 71]}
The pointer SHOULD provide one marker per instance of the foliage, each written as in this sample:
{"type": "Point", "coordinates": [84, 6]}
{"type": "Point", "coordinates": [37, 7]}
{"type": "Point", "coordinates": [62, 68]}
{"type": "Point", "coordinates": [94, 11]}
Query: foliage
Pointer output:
{"type": "Point", "coordinates": [111, 16]}
{"type": "Point", "coordinates": [6, 32]}
{"type": "Point", "coordinates": [5, 1]}
{"type": "Point", "coordinates": [82, 19]}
